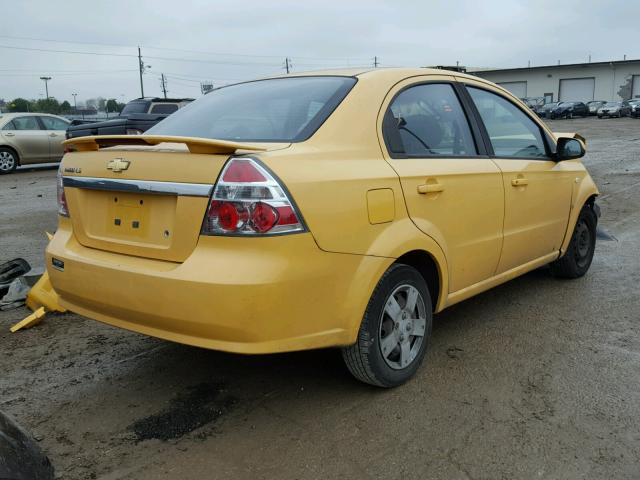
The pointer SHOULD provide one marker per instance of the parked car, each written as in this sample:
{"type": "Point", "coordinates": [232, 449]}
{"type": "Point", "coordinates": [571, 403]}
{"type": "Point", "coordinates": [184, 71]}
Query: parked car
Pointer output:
{"type": "Point", "coordinates": [545, 109]}
{"type": "Point", "coordinates": [614, 109]}
{"type": "Point", "coordinates": [634, 103]}
{"type": "Point", "coordinates": [569, 110]}
{"type": "Point", "coordinates": [136, 117]}
{"type": "Point", "coordinates": [533, 102]}
{"type": "Point", "coordinates": [317, 210]}
{"type": "Point", "coordinates": [27, 138]}
{"type": "Point", "coordinates": [594, 105]}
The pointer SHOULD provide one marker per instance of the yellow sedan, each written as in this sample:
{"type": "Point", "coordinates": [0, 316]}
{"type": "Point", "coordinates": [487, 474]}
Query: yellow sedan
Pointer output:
{"type": "Point", "coordinates": [341, 208]}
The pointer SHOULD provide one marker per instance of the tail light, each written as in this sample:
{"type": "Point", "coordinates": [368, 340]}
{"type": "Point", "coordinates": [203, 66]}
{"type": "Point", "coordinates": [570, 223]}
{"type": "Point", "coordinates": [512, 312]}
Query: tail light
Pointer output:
{"type": "Point", "coordinates": [248, 200]}
{"type": "Point", "coordinates": [62, 198]}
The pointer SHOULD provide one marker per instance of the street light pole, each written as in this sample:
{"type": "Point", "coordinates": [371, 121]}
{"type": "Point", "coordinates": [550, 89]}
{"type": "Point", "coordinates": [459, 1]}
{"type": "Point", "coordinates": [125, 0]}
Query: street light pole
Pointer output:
{"type": "Point", "coordinates": [46, 86]}
{"type": "Point", "coordinates": [75, 105]}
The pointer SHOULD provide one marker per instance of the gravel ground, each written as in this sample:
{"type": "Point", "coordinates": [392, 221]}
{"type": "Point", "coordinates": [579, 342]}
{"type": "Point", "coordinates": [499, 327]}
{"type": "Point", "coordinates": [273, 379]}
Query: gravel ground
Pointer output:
{"type": "Point", "coordinates": [538, 378]}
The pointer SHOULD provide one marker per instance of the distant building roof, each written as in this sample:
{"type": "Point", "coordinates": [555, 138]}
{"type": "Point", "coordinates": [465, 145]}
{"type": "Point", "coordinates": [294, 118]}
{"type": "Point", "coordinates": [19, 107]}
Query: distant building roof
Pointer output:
{"type": "Point", "coordinates": [562, 65]}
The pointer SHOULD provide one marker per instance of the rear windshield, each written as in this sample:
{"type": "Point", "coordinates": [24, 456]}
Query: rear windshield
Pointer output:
{"type": "Point", "coordinates": [135, 107]}
{"type": "Point", "coordinates": [275, 110]}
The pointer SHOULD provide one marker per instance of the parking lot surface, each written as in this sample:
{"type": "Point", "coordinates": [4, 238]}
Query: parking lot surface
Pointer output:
{"type": "Point", "coordinates": [537, 378]}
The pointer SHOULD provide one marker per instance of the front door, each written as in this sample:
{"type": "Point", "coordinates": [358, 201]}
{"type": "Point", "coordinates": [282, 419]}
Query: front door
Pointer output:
{"type": "Point", "coordinates": [31, 141]}
{"type": "Point", "coordinates": [537, 189]}
{"type": "Point", "coordinates": [453, 193]}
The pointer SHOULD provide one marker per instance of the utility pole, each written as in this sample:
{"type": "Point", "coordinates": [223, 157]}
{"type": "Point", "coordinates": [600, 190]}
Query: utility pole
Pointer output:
{"type": "Point", "coordinates": [141, 68]}
{"type": "Point", "coordinates": [287, 64]}
{"type": "Point", "coordinates": [375, 62]}
{"type": "Point", "coordinates": [163, 84]}
{"type": "Point", "coordinates": [46, 86]}
{"type": "Point", "coordinates": [75, 104]}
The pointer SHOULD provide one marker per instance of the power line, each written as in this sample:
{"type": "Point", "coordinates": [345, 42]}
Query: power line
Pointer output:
{"type": "Point", "coordinates": [36, 73]}
{"type": "Point", "coordinates": [122, 45]}
{"type": "Point", "coordinates": [67, 51]}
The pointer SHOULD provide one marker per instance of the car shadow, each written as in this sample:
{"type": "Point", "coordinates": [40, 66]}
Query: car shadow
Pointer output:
{"type": "Point", "coordinates": [36, 167]}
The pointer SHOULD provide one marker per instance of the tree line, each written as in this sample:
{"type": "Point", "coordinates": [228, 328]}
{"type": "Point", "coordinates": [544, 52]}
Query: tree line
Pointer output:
{"type": "Point", "coordinates": [52, 105]}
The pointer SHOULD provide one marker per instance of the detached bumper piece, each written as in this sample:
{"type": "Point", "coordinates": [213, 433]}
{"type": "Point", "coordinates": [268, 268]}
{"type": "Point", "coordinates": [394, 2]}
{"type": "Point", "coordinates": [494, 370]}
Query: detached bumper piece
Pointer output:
{"type": "Point", "coordinates": [42, 298]}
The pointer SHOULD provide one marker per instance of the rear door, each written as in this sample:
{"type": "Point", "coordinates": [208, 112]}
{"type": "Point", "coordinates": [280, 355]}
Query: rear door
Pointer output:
{"type": "Point", "coordinates": [56, 128]}
{"type": "Point", "coordinates": [32, 142]}
{"type": "Point", "coordinates": [453, 191]}
{"type": "Point", "coordinates": [537, 189]}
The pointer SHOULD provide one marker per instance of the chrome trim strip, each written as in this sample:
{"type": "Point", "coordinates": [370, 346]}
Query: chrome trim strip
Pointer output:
{"type": "Point", "coordinates": [139, 186]}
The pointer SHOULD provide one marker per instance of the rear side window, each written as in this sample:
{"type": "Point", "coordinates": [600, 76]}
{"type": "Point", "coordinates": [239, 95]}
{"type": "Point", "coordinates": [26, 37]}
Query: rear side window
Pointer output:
{"type": "Point", "coordinates": [428, 120]}
{"type": "Point", "coordinates": [9, 126]}
{"type": "Point", "coordinates": [164, 108]}
{"type": "Point", "coordinates": [275, 110]}
{"type": "Point", "coordinates": [135, 107]}
{"type": "Point", "coordinates": [511, 131]}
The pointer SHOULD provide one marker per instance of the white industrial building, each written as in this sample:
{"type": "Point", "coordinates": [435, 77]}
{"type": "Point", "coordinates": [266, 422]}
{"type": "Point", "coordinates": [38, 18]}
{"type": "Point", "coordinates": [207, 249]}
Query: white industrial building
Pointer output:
{"type": "Point", "coordinates": [578, 82]}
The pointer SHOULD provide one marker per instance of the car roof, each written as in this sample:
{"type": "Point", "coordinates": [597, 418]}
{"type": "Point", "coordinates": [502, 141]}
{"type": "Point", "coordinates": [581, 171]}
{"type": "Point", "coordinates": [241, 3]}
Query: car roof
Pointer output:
{"type": "Point", "coordinates": [27, 114]}
{"type": "Point", "coordinates": [386, 73]}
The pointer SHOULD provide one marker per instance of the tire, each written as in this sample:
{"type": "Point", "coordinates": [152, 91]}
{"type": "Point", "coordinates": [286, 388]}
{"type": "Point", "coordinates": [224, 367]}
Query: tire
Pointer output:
{"type": "Point", "coordinates": [600, 117]}
{"type": "Point", "coordinates": [570, 116]}
{"type": "Point", "coordinates": [577, 259]}
{"type": "Point", "coordinates": [8, 160]}
{"type": "Point", "coordinates": [404, 335]}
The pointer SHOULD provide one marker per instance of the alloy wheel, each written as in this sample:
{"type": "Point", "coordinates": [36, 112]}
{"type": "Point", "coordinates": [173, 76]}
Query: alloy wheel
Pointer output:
{"type": "Point", "coordinates": [7, 161]}
{"type": "Point", "coordinates": [402, 327]}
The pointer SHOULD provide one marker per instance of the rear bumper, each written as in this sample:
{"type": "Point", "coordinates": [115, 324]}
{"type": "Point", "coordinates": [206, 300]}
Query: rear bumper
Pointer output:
{"type": "Point", "coordinates": [243, 295]}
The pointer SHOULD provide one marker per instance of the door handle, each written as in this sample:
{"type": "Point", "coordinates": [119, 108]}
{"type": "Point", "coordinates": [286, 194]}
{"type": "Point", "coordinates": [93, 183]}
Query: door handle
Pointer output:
{"type": "Point", "coordinates": [9, 134]}
{"type": "Point", "coordinates": [53, 134]}
{"type": "Point", "coordinates": [519, 182]}
{"type": "Point", "coordinates": [430, 188]}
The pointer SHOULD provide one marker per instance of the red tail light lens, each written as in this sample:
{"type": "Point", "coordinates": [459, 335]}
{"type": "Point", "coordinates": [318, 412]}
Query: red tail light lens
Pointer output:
{"type": "Point", "coordinates": [248, 200]}
{"type": "Point", "coordinates": [242, 171]}
{"type": "Point", "coordinates": [63, 209]}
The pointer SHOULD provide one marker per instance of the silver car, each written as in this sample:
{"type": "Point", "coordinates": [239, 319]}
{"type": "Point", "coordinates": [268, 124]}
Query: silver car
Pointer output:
{"type": "Point", "coordinates": [27, 138]}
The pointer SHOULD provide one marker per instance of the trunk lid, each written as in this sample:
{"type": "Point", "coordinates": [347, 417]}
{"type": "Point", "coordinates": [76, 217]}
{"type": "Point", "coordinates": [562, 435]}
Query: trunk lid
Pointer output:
{"type": "Point", "coordinates": [141, 200]}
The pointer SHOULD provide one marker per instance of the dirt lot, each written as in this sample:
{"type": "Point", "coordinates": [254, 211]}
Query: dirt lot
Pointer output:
{"type": "Point", "coordinates": [538, 378]}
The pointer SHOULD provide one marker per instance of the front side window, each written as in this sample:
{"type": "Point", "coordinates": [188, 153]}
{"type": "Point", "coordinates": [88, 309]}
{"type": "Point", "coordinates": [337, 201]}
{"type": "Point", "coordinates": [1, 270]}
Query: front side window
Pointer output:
{"type": "Point", "coordinates": [53, 123]}
{"type": "Point", "coordinates": [26, 123]}
{"type": "Point", "coordinates": [275, 110]}
{"type": "Point", "coordinates": [429, 120]}
{"type": "Point", "coordinates": [511, 131]}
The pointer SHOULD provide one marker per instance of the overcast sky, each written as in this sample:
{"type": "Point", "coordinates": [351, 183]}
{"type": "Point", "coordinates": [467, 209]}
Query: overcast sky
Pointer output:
{"type": "Point", "coordinates": [228, 41]}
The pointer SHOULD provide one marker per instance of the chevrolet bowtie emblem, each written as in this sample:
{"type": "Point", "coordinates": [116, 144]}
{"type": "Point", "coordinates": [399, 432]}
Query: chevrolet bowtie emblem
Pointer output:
{"type": "Point", "coordinates": [118, 165]}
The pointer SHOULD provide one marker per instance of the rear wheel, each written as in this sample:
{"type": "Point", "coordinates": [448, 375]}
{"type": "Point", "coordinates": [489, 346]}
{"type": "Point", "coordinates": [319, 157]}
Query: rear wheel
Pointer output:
{"type": "Point", "coordinates": [395, 330]}
{"type": "Point", "coordinates": [577, 259]}
{"type": "Point", "coordinates": [8, 160]}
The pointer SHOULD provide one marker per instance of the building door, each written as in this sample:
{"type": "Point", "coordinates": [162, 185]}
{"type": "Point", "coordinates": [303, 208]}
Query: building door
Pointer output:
{"type": "Point", "coordinates": [519, 89]}
{"type": "Point", "coordinates": [577, 89]}
{"type": "Point", "coordinates": [635, 87]}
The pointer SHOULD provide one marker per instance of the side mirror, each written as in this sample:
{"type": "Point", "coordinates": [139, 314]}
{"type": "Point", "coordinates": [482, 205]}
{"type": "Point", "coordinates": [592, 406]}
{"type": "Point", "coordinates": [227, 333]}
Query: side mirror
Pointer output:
{"type": "Point", "coordinates": [568, 149]}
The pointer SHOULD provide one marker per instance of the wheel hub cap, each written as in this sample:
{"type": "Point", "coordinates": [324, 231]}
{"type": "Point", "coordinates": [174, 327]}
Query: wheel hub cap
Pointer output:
{"type": "Point", "coordinates": [6, 161]}
{"type": "Point", "coordinates": [402, 327]}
